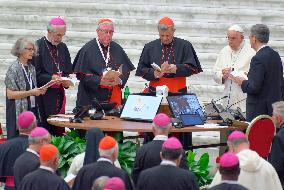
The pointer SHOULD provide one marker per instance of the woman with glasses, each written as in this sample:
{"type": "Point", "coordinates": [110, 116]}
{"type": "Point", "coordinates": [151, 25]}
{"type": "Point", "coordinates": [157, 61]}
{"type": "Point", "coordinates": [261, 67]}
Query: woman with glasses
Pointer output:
{"type": "Point", "coordinates": [21, 85]}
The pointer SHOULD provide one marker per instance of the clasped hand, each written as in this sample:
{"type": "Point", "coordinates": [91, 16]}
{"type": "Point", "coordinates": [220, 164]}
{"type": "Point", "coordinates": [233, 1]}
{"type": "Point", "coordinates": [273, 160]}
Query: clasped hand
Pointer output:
{"type": "Point", "coordinates": [165, 68]}
{"type": "Point", "coordinates": [110, 81]}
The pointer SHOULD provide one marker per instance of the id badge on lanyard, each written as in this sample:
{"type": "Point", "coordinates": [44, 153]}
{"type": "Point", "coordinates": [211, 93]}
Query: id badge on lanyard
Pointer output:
{"type": "Point", "coordinates": [30, 81]}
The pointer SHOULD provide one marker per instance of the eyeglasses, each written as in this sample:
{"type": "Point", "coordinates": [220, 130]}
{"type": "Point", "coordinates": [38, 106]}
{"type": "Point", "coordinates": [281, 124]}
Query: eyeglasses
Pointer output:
{"type": "Point", "coordinates": [107, 31]}
{"type": "Point", "coordinates": [30, 49]}
{"type": "Point", "coordinates": [231, 38]}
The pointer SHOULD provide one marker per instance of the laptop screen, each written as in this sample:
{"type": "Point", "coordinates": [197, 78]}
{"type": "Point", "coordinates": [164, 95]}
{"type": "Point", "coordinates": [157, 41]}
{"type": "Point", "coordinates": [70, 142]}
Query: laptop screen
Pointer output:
{"type": "Point", "coordinates": [185, 104]}
{"type": "Point", "coordinates": [142, 108]}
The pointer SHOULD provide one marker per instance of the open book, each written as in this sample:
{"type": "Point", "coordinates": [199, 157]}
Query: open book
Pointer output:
{"type": "Point", "coordinates": [49, 84]}
{"type": "Point", "coordinates": [156, 67]}
{"type": "Point", "coordinates": [112, 74]}
{"type": "Point", "coordinates": [69, 81]}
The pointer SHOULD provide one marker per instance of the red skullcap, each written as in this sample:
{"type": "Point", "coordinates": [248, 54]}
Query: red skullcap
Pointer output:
{"type": "Point", "coordinates": [161, 120]}
{"type": "Point", "coordinates": [26, 119]}
{"type": "Point", "coordinates": [228, 160]}
{"type": "Point", "coordinates": [47, 152]}
{"type": "Point", "coordinates": [166, 21]}
{"type": "Point", "coordinates": [107, 143]}
{"type": "Point", "coordinates": [172, 143]}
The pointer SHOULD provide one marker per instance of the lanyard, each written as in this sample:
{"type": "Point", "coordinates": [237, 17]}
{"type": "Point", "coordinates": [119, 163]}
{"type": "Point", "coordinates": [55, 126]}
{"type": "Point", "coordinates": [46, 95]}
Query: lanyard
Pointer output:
{"type": "Point", "coordinates": [30, 81]}
{"type": "Point", "coordinates": [106, 59]}
{"type": "Point", "coordinates": [28, 76]}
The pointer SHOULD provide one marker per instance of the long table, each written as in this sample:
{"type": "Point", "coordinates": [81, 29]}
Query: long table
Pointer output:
{"type": "Point", "coordinates": [115, 124]}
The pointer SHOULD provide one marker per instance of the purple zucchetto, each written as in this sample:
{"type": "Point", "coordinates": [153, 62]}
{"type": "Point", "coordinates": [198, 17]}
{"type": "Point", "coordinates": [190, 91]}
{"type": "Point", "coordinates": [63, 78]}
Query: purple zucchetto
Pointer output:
{"type": "Point", "coordinates": [228, 160]}
{"type": "Point", "coordinates": [26, 119]}
{"type": "Point", "coordinates": [114, 183]}
{"type": "Point", "coordinates": [57, 21]}
{"type": "Point", "coordinates": [161, 120]}
{"type": "Point", "coordinates": [38, 132]}
{"type": "Point", "coordinates": [236, 135]}
{"type": "Point", "coordinates": [172, 143]}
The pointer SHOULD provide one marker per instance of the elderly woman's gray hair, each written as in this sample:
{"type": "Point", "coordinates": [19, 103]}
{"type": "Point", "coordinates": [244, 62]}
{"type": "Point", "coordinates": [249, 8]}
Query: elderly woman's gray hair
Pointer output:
{"type": "Point", "coordinates": [261, 32]}
{"type": "Point", "coordinates": [20, 45]}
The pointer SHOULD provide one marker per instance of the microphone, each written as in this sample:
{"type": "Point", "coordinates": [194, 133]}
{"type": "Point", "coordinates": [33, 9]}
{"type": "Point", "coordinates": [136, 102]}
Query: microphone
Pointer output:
{"type": "Point", "coordinates": [220, 99]}
{"type": "Point", "coordinates": [236, 103]}
{"type": "Point", "coordinates": [214, 101]}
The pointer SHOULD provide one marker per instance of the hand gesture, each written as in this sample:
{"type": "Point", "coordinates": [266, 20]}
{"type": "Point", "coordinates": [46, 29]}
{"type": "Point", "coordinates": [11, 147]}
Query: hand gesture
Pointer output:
{"type": "Point", "coordinates": [239, 80]}
{"type": "Point", "coordinates": [158, 74]}
{"type": "Point", "coordinates": [226, 73]}
{"type": "Point", "coordinates": [38, 91]}
{"type": "Point", "coordinates": [107, 82]}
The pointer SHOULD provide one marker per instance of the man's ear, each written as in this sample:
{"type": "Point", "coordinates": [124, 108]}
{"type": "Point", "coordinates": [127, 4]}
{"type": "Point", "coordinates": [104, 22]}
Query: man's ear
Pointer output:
{"type": "Point", "coordinates": [161, 156]}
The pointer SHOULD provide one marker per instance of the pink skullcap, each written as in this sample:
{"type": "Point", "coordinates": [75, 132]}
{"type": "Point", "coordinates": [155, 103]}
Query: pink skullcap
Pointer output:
{"type": "Point", "coordinates": [236, 135]}
{"type": "Point", "coordinates": [26, 119]}
{"type": "Point", "coordinates": [172, 143]}
{"type": "Point", "coordinates": [39, 132]}
{"type": "Point", "coordinates": [161, 120]}
{"type": "Point", "coordinates": [57, 21]}
{"type": "Point", "coordinates": [114, 183]}
{"type": "Point", "coordinates": [228, 160]}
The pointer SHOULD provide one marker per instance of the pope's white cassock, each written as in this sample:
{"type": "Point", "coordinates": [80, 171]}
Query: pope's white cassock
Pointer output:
{"type": "Point", "coordinates": [239, 60]}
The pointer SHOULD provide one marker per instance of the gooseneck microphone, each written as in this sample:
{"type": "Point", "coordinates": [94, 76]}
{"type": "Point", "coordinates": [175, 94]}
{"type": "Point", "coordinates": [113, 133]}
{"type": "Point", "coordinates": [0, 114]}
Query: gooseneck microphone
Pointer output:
{"type": "Point", "coordinates": [236, 103]}
{"type": "Point", "coordinates": [219, 99]}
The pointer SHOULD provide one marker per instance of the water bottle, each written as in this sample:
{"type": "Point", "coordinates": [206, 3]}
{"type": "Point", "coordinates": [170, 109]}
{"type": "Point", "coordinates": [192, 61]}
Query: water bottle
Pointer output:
{"type": "Point", "coordinates": [126, 93]}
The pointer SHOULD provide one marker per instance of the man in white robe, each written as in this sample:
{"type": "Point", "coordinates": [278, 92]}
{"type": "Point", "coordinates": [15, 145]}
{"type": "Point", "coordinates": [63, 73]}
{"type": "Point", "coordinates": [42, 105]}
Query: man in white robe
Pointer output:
{"type": "Point", "coordinates": [233, 60]}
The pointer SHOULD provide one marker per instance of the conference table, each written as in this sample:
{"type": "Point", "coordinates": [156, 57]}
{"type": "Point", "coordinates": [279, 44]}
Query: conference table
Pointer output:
{"type": "Point", "coordinates": [115, 124]}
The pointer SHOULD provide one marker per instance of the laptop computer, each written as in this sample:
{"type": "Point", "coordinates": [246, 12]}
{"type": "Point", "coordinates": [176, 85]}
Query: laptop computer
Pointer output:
{"type": "Point", "coordinates": [141, 108]}
{"type": "Point", "coordinates": [187, 109]}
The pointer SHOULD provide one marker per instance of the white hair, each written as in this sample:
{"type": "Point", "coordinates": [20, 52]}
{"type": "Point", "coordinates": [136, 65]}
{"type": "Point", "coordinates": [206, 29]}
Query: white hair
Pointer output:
{"type": "Point", "coordinates": [278, 108]}
{"type": "Point", "coordinates": [109, 152]}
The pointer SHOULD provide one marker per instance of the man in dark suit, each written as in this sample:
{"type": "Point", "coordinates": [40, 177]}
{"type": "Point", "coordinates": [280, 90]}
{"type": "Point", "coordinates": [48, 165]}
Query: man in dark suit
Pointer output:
{"type": "Point", "coordinates": [168, 175]}
{"type": "Point", "coordinates": [148, 155]}
{"type": "Point", "coordinates": [276, 157]}
{"type": "Point", "coordinates": [263, 86]}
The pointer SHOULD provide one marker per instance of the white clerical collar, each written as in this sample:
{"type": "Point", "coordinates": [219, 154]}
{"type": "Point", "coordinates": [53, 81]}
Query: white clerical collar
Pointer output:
{"type": "Point", "coordinates": [168, 162]}
{"type": "Point", "coordinates": [32, 151]}
{"type": "Point", "coordinates": [104, 159]}
{"type": "Point", "coordinates": [229, 181]}
{"type": "Point", "coordinates": [160, 138]}
{"type": "Point", "coordinates": [47, 168]}
{"type": "Point", "coordinates": [261, 47]}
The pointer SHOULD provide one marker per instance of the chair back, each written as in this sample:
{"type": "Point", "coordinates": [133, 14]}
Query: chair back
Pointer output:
{"type": "Point", "coordinates": [2, 139]}
{"type": "Point", "coordinates": [260, 134]}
